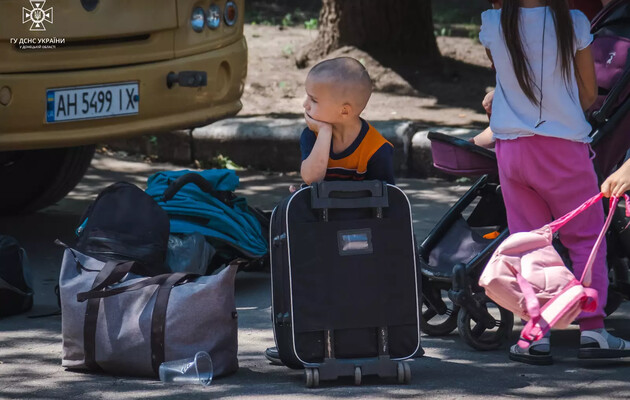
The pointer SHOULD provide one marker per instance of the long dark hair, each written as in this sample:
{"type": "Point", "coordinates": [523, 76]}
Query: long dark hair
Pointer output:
{"type": "Point", "coordinates": [564, 32]}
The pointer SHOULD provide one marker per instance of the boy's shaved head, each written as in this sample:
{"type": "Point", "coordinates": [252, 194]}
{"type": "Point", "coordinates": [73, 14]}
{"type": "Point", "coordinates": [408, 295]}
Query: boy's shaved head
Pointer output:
{"type": "Point", "coordinates": [349, 77]}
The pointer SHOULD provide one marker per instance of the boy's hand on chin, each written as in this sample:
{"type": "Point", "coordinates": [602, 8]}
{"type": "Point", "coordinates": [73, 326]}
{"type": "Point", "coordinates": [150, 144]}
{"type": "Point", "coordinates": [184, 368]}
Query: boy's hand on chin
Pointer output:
{"type": "Point", "coordinates": [316, 125]}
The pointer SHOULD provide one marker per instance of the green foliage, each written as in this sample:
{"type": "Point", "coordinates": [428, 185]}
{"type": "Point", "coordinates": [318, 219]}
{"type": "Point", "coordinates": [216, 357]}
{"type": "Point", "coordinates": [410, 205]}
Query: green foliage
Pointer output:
{"type": "Point", "coordinates": [463, 181]}
{"type": "Point", "coordinates": [474, 35]}
{"type": "Point", "coordinates": [287, 20]}
{"type": "Point", "coordinates": [311, 24]}
{"type": "Point", "coordinates": [261, 13]}
{"type": "Point", "coordinates": [224, 162]}
{"type": "Point", "coordinates": [458, 11]}
{"type": "Point", "coordinates": [444, 31]}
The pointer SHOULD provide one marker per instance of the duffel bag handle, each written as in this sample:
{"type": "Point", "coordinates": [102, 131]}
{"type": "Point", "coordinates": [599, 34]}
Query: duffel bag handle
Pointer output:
{"type": "Point", "coordinates": [338, 194]}
{"type": "Point", "coordinates": [99, 290]}
{"type": "Point", "coordinates": [156, 280]}
{"type": "Point", "coordinates": [112, 272]}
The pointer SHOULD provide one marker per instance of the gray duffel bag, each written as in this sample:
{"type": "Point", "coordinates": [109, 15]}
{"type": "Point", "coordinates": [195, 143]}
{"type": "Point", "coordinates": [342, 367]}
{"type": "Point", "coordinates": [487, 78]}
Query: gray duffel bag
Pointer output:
{"type": "Point", "coordinates": [125, 324]}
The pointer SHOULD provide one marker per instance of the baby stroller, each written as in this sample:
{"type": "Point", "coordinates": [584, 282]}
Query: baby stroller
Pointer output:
{"type": "Point", "coordinates": [459, 246]}
{"type": "Point", "coordinates": [457, 249]}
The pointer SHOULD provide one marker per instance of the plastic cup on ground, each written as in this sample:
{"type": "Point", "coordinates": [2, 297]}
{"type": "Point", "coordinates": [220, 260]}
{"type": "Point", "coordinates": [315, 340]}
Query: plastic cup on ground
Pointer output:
{"type": "Point", "coordinates": [195, 370]}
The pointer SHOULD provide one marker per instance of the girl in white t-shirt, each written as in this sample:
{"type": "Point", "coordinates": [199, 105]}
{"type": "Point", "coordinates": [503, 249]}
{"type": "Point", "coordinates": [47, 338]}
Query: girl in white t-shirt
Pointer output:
{"type": "Point", "coordinates": [545, 81]}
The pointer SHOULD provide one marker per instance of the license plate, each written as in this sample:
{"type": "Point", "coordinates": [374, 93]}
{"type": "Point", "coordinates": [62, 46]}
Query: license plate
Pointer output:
{"type": "Point", "coordinates": [92, 102]}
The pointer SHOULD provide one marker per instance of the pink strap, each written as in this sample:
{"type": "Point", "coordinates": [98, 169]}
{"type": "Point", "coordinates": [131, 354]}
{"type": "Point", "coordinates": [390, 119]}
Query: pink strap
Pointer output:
{"type": "Point", "coordinates": [531, 301]}
{"type": "Point", "coordinates": [560, 222]}
{"type": "Point", "coordinates": [590, 303]}
{"type": "Point", "coordinates": [586, 275]}
{"type": "Point", "coordinates": [531, 331]}
{"type": "Point", "coordinates": [535, 330]}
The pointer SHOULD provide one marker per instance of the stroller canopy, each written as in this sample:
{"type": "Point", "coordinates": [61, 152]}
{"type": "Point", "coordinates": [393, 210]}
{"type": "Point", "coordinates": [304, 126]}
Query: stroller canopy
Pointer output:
{"type": "Point", "coordinates": [222, 222]}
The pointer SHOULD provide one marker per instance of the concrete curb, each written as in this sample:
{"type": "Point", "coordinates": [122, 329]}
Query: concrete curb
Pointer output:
{"type": "Point", "coordinates": [266, 143]}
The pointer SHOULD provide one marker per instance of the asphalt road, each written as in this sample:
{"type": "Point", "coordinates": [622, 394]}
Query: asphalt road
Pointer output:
{"type": "Point", "coordinates": [30, 347]}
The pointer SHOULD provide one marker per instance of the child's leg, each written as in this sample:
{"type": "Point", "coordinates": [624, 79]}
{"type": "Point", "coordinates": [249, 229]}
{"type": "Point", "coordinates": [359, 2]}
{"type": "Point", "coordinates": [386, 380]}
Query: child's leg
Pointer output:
{"type": "Point", "coordinates": [566, 181]}
{"type": "Point", "coordinates": [526, 210]}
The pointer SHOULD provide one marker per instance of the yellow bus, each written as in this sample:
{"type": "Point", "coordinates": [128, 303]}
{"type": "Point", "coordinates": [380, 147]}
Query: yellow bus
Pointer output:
{"type": "Point", "coordinates": [74, 73]}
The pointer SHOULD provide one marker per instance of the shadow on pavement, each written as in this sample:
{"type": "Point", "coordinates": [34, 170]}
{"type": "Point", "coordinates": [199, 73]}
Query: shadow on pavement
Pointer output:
{"type": "Point", "coordinates": [30, 349]}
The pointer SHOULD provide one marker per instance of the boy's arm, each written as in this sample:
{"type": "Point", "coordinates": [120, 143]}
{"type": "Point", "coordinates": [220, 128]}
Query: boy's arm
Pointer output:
{"type": "Point", "coordinates": [314, 166]}
{"type": "Point", "coordinates": [381, 165]}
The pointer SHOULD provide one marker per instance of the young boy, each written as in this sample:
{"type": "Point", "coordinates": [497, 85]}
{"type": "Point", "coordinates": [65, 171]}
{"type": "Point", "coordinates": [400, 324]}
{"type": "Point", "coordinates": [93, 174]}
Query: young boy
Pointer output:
{"type": "Point", "coordinates": [338, 144]}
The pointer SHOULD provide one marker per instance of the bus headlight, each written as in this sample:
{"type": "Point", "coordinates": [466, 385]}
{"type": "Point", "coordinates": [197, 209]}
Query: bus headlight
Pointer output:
{"type": "Point", "coordinates": [214, 17]}
{"type": "Point", "coordinates": [198, 19]}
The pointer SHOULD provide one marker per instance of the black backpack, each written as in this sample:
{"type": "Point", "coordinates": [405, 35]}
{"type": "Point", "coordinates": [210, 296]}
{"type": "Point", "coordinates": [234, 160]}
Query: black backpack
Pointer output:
{"type": "Point", "coordinates": [16, 295]}
{"type": "Point", "coordinates": [125, 223]}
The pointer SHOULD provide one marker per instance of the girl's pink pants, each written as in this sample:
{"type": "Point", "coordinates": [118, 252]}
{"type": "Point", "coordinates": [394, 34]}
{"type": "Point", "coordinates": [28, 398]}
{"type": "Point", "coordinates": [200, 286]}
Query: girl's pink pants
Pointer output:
{"type": "Point", "coordinates": [542, 178]}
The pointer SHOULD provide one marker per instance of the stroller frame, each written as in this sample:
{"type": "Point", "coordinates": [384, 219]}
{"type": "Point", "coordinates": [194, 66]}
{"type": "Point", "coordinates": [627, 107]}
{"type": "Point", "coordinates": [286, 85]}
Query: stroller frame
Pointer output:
{"type": "Point", "coordinates": [480, 328]}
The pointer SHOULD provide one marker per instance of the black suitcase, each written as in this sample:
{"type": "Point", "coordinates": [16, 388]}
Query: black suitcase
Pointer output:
{"type": "Point", "coordinates": [345, 289]}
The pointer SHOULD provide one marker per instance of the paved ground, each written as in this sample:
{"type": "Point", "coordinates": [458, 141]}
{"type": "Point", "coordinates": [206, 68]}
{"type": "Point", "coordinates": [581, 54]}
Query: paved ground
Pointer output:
{"type": "Point", "coordinates": [30, 347]}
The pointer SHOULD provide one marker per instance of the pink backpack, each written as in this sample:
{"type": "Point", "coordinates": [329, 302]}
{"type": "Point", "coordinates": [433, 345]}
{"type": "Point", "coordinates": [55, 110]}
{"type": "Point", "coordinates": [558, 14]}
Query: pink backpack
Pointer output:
{"type": "Point", "coordinates": [527, 276]}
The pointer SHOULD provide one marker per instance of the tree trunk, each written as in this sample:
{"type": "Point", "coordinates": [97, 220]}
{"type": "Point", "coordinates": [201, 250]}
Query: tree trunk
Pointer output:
{"type": "Point", "coordinates": [400, 29]}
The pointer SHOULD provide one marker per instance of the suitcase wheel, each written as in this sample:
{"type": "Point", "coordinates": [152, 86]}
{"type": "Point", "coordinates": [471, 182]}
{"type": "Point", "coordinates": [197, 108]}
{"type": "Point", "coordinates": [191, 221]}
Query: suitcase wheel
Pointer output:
{"type": "Point", "coordinates": [357, 376]}
{"type": "Point", "coordinates": [404, 373]}
{"type": "Point", "coordinates": [312, 377]}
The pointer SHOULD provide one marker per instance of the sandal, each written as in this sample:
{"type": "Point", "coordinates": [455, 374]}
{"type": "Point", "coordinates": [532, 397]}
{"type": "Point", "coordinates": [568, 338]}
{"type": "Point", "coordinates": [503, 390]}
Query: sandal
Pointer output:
{"type": "Point", "coordinates": [601, 344]}
{"type": "Point", "coordinates": [536, 353]}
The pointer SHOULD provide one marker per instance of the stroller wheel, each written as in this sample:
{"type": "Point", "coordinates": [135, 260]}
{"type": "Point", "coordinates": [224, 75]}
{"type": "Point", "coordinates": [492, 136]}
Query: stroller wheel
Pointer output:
{"type": "Point", "coordinates": [435, 324]}
{"type": "Point", "coordinates": [481, 337]}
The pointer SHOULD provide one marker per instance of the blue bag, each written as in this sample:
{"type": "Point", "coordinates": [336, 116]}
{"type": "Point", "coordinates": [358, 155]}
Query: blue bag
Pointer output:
{"type": "Point", "coordinates": [204, 202]}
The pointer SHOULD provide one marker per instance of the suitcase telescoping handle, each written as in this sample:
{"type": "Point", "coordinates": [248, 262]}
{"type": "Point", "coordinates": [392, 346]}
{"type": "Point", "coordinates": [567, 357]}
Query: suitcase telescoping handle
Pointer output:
{"type": "Point", "coordinates": [338, 194]}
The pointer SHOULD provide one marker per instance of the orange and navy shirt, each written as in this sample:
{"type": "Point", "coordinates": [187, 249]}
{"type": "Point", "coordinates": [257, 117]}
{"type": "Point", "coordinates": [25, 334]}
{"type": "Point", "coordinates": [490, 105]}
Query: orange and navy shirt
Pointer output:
{"type": "Point", "coordinates": [369, 157]}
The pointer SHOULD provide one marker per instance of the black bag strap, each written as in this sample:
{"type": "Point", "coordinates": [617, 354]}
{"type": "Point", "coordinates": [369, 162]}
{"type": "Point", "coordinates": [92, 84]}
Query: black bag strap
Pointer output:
{"type": "Point", "coordinates": [158, 319]}
{"type": "Point", "coordinates": [112, 272]}
{"type": "Point", "coordinates": [89, 334]}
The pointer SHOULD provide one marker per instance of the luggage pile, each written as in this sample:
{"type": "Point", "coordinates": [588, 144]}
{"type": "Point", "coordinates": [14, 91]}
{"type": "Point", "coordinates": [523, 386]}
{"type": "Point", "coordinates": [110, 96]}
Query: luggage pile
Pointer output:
{"type": "Point", "coordinates": [135, 290]}
{"type": "Point", "coordinates": [139, 287]}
